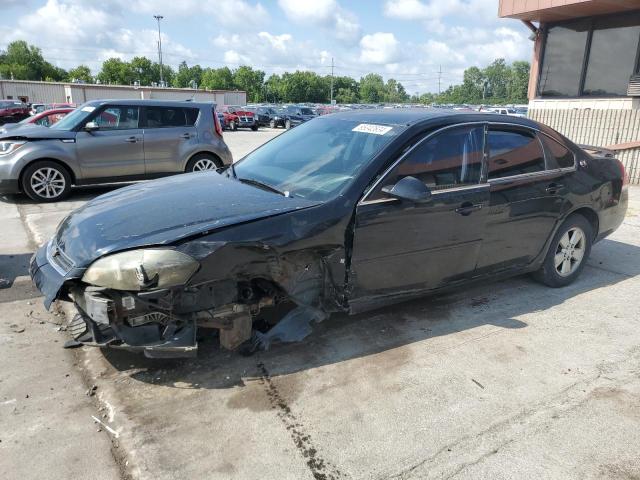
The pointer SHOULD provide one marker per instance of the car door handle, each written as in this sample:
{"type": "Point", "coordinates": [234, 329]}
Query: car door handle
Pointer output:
{"type": "Point", "coordinates": [131, 139]}
{"type": "Point", "coordinates": [186, 136]}
{"type": "Point", "coordinates": [467, 208]}
{"type": "Point", "coordinates": [554, 188]}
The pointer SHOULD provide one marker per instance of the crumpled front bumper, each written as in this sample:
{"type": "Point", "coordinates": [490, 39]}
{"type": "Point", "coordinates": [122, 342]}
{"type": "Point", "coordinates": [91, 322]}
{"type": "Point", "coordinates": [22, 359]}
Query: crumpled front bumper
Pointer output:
{"type": "Point", "coordinates": [49, 277]}
{"type": "Point", "coordinates": [93, 326]}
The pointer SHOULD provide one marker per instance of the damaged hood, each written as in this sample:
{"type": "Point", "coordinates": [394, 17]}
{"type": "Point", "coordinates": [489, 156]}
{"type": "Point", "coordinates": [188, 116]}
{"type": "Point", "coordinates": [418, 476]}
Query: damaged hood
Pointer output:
{"type": "Point", "coordinates": [30, 131]}
{"type": "Point", "coordinates": [165, 211]}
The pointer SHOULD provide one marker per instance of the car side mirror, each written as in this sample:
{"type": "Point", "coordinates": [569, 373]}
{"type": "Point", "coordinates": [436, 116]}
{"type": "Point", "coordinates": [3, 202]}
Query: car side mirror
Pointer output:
{"type": "Point", "coordinates": [91, 127]}
{"type": "Point", "coordinates": [409, 188]}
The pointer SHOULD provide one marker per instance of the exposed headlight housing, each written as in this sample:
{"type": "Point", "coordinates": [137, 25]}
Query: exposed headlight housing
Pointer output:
{"type": "Point", "coordinates": [9, 146]}
{"type": "Point", "coordinates": [141, 269]}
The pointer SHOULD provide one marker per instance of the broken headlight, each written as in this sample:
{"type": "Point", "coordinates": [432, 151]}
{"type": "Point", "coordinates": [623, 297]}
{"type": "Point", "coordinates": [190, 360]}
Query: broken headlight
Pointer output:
{"type": "Point", "coordinates": [141, 269]}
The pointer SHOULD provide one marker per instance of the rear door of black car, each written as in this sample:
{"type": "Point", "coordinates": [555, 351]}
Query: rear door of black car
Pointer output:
{"type": "Point", "coordinates": [526, 199]}
{"type": "Point", "coordinates": [402, 247]}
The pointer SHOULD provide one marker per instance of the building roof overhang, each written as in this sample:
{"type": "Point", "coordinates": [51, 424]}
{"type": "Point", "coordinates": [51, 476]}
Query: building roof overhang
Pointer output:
{"type": "Point", "coordinates": [557, 10]}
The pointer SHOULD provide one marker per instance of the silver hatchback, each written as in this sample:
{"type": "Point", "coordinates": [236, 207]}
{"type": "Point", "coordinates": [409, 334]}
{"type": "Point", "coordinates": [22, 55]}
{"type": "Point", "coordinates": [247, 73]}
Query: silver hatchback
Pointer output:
{"type": "Point", "coordinates": [108, 141]}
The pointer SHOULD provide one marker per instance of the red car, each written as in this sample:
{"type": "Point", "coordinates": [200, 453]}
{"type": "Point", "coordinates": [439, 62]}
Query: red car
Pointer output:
{"type": "Point", "coordinates": [13, 111]}
{"type": "Point", "coordinates": [45, 118]}
{"type": "Point", "coordinates": [236, 117]}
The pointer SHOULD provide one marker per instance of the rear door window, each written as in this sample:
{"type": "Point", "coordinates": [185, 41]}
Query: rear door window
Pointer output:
{"type": "Point", "coordinates": [514, 152]}
{"type": "Point", "coordinates": [166, 117]}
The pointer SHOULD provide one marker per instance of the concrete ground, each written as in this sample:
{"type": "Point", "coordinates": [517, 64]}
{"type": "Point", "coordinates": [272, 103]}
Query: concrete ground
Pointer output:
{"type": "Point", "coordinates": [507, 380]}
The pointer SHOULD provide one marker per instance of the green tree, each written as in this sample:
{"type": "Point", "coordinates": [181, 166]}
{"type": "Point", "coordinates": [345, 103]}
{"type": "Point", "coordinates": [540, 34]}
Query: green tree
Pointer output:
{"type": "Point", "coordinates": [81, 73]}
{"type": "Point", "coordinates": [372, 88]}
{"type": "Point", "coordinates": [116, 71]}
{"type": "Point", "coordinates": [188, 77]}
{"type": "Point", "coordinates": [143, 71]}
{"type": "Point", "coordinates": [217, 79]}
{"type": "Point", "coordinates": [250, 80]}
{"type": "Point", "coordinates": [518, 84]}
{"type": "Point", "coordinates": [497, 75]}
{"type": "Point", "coordinates": [25, 62]}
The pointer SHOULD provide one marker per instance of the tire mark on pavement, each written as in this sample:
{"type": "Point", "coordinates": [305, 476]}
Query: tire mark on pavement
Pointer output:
{"type": "Point", "coordinates": [320, 468]}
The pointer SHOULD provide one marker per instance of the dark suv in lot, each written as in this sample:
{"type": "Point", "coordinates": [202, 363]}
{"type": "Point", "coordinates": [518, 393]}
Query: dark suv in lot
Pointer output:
{"type": "Point", "coordinates": [294, 115]}
{"type": "Point", "coordinates": [107, 141]}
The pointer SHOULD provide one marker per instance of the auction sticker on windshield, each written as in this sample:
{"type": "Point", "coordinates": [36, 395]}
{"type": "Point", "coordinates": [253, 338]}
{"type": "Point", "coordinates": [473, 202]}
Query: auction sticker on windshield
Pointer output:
{"type": "Point", "coordinates": [88, 109]}
{"type": "Point", "coordinates": [372, 128]}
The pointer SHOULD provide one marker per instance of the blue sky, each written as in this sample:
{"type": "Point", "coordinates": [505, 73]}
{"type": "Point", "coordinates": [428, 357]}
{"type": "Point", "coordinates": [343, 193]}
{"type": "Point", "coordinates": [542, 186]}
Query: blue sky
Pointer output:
{"type": "Point", "coordinates": [409, 40]}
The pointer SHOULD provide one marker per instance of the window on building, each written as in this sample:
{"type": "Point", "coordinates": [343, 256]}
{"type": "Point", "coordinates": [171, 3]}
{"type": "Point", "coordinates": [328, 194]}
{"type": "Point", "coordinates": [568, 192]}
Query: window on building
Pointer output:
{"type": "Point", "coordinates": [612, 55]}
{"type": "Point", "coordinates": [563, 58]}
{"type": "Point", "coordinates": [514, 153]}
{"type": "Point", "coordinates": [601, 51]}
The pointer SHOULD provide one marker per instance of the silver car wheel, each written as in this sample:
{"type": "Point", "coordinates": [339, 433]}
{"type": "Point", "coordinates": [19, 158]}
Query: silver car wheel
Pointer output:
{"type": "Point", "coordinates": [48, 182]}
{"type": "Point", "coordinates": [570, 251]}
{"type": "Point", "coordinates": [204, 164]}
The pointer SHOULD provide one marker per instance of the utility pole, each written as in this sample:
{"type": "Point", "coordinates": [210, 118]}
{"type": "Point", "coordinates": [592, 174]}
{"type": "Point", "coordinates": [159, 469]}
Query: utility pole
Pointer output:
{"type": "Point", "coordinates": [439, 78]}
{"type": "Point", "coordinates": [331, 80]}
{"type": "Point", "coordinates": [158, 18]}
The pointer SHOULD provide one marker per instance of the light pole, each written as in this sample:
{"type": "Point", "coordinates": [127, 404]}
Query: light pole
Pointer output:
{"type": "Point", "coordinates": [158, 18]}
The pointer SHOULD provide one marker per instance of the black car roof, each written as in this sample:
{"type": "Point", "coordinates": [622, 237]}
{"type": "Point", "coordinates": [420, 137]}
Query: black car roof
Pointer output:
{"type": "Point", "coordinates": [411, 116]}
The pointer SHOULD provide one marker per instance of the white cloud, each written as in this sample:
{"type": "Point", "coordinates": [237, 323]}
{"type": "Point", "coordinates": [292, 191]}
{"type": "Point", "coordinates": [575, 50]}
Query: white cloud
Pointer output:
{"type": "Point", "coordinates": [327, 14]}
{"type": "Point", "coordinates": [227, 12]}
{"type": "Point", "coordinates": [68, 42]}
{"type": "Point", "coordinates": [379, 48]}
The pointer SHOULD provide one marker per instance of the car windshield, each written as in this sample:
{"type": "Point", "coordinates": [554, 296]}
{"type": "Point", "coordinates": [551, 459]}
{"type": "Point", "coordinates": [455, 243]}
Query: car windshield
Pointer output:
{"type": "Point", "coordinates": [6, 104]}
{"type": "Point", "coordinates": [70, 121]}
{"type": "Point", "coordinates": [318, 159]}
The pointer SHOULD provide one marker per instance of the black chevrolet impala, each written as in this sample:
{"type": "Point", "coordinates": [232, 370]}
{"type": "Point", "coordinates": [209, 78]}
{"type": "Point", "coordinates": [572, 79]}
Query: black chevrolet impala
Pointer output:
{"type": "Point", "coordinates": [346, 213]}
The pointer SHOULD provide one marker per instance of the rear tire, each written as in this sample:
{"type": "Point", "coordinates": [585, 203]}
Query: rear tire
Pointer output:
{"type": "Point", "coordinates": [568, 253]}
{"type": "Point", "coordinates": [254, 128]}
{"type": "Point", "coordinates": [46, 181]}
{"type": "Point", "coordinates": [203, 162]}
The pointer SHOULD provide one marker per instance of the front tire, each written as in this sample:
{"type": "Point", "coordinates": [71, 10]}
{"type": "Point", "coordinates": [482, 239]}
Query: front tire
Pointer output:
{"type": "Point", "coordinates": [272, 124]}
{"type": "Point", "coordinates": [568, 253]}
{"type": "Point", "coordinates": [287, 125]}
{"type": "Point", "coordinates": [203, 162]}
{"type": "Point", "coordinates": [254, 128]}
{"type": "Point", "coordinates": [46, 181]}
{"type": "Point", "coordinates": [232, 126]}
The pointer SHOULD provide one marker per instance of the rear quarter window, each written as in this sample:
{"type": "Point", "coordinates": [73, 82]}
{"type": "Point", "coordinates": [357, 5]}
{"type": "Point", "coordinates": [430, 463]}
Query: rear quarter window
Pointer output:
{"type": "Point", "coordinates": [560, 155]}
{"type": "Point", "coordinates": [513, 152]}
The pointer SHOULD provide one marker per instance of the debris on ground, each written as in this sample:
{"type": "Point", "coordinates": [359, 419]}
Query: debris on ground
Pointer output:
{"type": "Point", "coordinates": [15, 328]}
{"type": "Point", "coordinates": [92, 391]}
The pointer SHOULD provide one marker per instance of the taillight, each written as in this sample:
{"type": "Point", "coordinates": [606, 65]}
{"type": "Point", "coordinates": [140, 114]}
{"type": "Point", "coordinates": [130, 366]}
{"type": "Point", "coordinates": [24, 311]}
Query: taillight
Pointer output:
{"type": "Point", "coordinates": [216, 123]}
{"type": "Point", "coordinates": [623, 172]}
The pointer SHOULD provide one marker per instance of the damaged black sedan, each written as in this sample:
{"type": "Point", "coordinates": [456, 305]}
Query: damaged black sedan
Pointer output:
{"type": "Point", "coordinates": [346, 213]}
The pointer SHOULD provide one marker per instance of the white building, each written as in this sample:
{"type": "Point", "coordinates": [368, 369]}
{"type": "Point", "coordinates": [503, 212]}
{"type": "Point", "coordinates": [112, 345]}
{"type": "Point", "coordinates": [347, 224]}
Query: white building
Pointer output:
{"type": "Point", "coordinates": [56, 92]}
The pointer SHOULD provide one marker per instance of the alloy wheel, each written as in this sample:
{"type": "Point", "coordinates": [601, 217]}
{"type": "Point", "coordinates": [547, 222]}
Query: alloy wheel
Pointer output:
{"type": "Point", "coordinates": [570, 251]}
{"type": "Point", "coordinates": [204, 164]}
{"type": "Point", "coordinates": [48, 182]}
